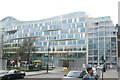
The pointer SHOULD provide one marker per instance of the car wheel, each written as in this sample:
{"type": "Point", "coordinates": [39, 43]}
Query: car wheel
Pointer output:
{"type": "Point", "coordinates": [8, 78]}
{"type": "Point", "coordinates": [22, 76]}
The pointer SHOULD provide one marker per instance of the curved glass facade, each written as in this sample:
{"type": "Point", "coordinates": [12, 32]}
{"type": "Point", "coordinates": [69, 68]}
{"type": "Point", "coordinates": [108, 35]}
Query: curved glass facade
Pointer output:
{"type": "Point", "coordinates": [74, 35]}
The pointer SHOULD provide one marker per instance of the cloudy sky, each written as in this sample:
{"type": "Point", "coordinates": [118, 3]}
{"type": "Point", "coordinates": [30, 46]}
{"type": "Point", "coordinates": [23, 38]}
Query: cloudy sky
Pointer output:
{"type": "Point", "coordinates": [26, 10]}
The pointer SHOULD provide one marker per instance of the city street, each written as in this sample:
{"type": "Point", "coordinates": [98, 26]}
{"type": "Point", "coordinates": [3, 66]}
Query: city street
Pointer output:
{"type": "Point", "coordinates": [57, 73]}
{"type": "Point", "coordinates": [109, 74]}
{"type": "Point", "coordinates": [119, 74]}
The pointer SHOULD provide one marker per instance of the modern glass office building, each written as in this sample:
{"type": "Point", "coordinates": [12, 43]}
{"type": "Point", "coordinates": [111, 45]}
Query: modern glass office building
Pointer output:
{"type": "Point", "coordinates": [70, 40]}
{"type": "Point", "coordinates": [102, 41]}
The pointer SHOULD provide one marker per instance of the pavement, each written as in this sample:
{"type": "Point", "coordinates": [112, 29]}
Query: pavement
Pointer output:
{"type": "Point", "coordinates": [119, 74]}
{"type": "Point", "coordinates": [44, 72]}
{"type": "Point", "coordinates": [110, 73]}
{"type": "Point", "coordinates": [39, 72]}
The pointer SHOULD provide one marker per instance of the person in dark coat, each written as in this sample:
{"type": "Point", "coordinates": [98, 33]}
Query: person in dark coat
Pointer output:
{"type": "Point", "coordinates": [89, 75]}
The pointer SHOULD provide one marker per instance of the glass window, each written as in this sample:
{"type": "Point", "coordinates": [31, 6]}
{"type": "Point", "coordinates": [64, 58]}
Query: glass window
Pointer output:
{"type": "Point", "coordinates": [113, 51]}
{"type": "Point", "coordinates": [101, 28]}
{"type": "Point", "coordinates": [64, 31]}
{"type": "Point", "coordinates": [44, 27]}
{"type": "Point", "coordinates": [91, 29]}
{"type": "Point", "coordinates": [95, 46]}
{"type": "Point", "coordinates": [83, 48]}
{"type": "Point", "coordinates": [70, 35]}
{"type": "Point", "coordinates": [90, 52]}
{"type": "Point", "coordinates": [101, 39]}
{"type": "Point", "coordinates": [90, 34]}
{"type": "Point", "coordinates": [40, 43]}
{"type": "Point", "coordinates": [74, 41]}
{"type": "Point", "coordinates": [85, 24]}
{"type": "Point", "coordinates": [90, 46]}
{"type": "Point", "coordinates": [95, 52]}
{"type": "Point", "coordinates": [113, 39]}
{"type": "Point", "coordinates": [81, 42]}
{"type": "Point", "coordinates": [64, 21]}
{"type": "Point", "coordinates": [71, 31]}
{"type": "Point", "coordinates": [101, 33]}
{"type": "Point", "coordinates": [77, 35]}
{"type": "Point", "coordinates": [52, 32]}
{"type": "Point", "coordinates": [82, 29]}
{"type": "Point", "coordinates": [108, 22]}
{"type": "Point", "coordinates": [66, 26]}
{"type": "Point", "coordinates": [107, 40]}
{"type": "Point", "coordinates": [90, 40]}
{"type": "Point", "coordinates": [46, 33]}
{"type": "Point", "coordinates": [75, 55]}
{"type": "Point", "coordinates": [95, 29]}
{"type": "Point", "coordinates": [75, 20]}
{"type": "Point", "coordinates": [31, 34]}
{"type": "Point", "coordinates": [41, 38]}
{"type": "Point", "coordinates": [101, 46]}
{"type": "Point", "coordinates": [48, 23]}
{"type": "Point", "coordinates": [96, 34]}
{"type": "Point", "coordinates": [107, 33]}
{"type": "Point", "coordinates": [44, 43]}
{"type": "Point", "coordinates": [56, 43]}
{"type": "Point", "coordinates": [62, 43]}
{"type": "Point", "coordinates": [69, 20]}
{"type": "Point", "coordinates": [69, 42]}
{"type": "Point", "coordinates": [75, 30]}
{"type": "Point", "coordinates": [78, 48]}
{"type": "Point", "coordinates": [95, 40]}
{"type": "Point", "coordinates": [73, 25]}
{"type": "Point", "coordinates": [101, 23]}
{"type": "Point", "coordinates": [82, 19]}
{"type": "Point", "coordinates": [95, 58]}
{"type": "Point", "coordinates": [63, 36]}
{"type": "Point", "coordinates": [113, 45]}
{"type": "Point", "coordinates": [59, 49]}
{"type": "Point", "coordinates": [80, 25]}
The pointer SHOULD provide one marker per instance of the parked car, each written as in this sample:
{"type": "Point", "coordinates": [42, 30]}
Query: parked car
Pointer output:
{"type": "Point", "coordinates": [100, 67]}
{"type": "Point", "coordinates": [73, 74]}
{"type": "Point", "coordinates": [12, 74]}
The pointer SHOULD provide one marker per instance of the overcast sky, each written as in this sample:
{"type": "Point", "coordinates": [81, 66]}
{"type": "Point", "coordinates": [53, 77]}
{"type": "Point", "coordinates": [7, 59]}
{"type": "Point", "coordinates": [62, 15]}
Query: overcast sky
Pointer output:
{"type": "Point", "coordinates": [27, 10]}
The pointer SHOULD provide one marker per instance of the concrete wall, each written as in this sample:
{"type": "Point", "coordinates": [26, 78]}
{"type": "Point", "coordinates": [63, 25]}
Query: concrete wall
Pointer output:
{"type": "Point", "coordinates": [3, 64]}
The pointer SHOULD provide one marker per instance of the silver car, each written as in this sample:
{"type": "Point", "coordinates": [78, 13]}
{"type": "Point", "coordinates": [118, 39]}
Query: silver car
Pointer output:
{"type": "Point", "coordinates": [73, 74]}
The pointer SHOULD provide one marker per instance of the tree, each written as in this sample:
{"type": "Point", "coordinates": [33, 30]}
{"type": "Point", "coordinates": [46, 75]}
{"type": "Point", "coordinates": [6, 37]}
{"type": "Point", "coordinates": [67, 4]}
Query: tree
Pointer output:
{"type": "Point", "coordinates": [26, 47]}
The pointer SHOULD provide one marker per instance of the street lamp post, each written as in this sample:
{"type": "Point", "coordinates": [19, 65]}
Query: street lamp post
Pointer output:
{"type": "Point", "coordinates": [48, 56]}
{"type": "Point", "coordinates": [67, 58]}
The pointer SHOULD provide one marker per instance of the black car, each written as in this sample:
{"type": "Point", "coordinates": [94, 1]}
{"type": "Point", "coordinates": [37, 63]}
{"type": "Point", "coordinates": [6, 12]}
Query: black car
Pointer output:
{"type": "Point", "coordinates": [12, 74]}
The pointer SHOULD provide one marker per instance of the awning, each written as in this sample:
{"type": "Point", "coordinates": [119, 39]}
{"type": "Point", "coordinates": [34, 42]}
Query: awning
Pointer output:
{"type": "Point", "coordinates": [37, 60]}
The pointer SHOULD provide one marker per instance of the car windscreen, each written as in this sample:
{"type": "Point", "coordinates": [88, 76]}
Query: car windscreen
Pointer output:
{"type": "Point", "coordinates": [73, 74]}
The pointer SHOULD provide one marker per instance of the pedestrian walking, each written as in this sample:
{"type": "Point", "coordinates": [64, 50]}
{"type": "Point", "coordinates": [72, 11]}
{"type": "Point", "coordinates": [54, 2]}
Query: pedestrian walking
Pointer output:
{"type": "Point", "coordinates": [89, 75]}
